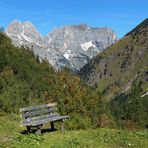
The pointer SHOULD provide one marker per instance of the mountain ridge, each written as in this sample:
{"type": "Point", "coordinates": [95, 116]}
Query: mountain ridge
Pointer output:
{"type": "Point", "coordinates": [69, 46]}
{"type": "Point", "coordinates": [116, 69]}
{"type": "Point", "coordinates": [139, 27]}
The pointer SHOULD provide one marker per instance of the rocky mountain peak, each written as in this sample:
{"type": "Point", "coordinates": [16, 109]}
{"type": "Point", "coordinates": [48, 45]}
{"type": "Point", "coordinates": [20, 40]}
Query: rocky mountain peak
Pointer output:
{"type": "Point", "coordinates": [25, 32]}
{"type": "Point", "coordinates": [81, 27]}
{"type": "Point", "coordinates": [14, 27]}
{"type": "Point", "coordinates": [71, 46]}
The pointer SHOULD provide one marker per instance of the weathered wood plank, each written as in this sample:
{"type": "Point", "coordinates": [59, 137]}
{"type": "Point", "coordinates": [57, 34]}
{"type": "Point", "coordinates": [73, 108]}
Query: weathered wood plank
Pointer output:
{"type": "Point", "coordinates": [35, 116]}
{"type": "Point", "coordinates": [25, 109]}
{"type": "Point", "coordinates": [39, 118]}
{"type": "Point", "coordinates": [52, 119]}
{"type": "Point", "coordinates": [37, 113]}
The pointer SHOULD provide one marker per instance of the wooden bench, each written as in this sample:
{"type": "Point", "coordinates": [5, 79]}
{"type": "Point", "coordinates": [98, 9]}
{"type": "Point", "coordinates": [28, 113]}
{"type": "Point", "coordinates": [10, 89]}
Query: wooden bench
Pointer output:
{"type": "Point", "coordinates": [35, 116]}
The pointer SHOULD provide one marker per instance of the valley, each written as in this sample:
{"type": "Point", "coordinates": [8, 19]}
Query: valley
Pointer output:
{"type": "Point", "coordinates": [96, 79]}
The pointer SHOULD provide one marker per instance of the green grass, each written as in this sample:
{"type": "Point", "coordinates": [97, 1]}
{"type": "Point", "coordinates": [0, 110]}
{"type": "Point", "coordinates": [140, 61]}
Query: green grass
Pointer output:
{"type": "Point", "coordinates": [10, 136]}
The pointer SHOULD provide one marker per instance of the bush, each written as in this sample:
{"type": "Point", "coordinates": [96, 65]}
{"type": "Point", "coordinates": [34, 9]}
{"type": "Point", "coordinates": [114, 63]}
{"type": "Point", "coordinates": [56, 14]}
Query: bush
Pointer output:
{"type": "Point", "coordinates": [78, 121]}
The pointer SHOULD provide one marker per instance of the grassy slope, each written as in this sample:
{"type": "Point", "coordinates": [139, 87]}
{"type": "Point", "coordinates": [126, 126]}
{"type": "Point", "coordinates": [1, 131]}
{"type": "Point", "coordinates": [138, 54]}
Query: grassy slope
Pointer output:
{"type": "Point", "coordinates": [118, 66]}
{"type": "Point", "coordinates": [10, 137]}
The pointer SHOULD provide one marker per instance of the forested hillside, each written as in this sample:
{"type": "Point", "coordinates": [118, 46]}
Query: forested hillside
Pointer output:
{"type": "Point", "coordinates": [22, 77]}
{"type": "Point", "coordinates": [25, 81]}
{"type": "Point", "coordinates": [118, 75]}
{"type": "Point", "coordinates": [121, 74]}
{"type": "Point", "coordinates": [116, 69]}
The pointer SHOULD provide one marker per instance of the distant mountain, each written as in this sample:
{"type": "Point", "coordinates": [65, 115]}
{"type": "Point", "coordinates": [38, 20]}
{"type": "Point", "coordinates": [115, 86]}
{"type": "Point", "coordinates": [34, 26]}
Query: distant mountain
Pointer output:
{"type": "Point", "coordinates": [126, 62]}
{"type": "Point", "coordinates": [69, 46]}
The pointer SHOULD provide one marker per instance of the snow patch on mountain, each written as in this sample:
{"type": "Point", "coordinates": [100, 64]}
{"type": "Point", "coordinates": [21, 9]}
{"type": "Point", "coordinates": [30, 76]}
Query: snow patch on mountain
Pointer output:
{"type": "Point", "coordinates": [25, 37]}
{"type": "Point", "coordinates": [87, 45]}
{"type": "Point", "coordinates": [66, 55]}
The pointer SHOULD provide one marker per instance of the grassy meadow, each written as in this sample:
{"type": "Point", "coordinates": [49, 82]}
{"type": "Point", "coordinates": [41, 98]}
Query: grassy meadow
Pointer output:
{"type": "Point", "coordinates": [11, 137]}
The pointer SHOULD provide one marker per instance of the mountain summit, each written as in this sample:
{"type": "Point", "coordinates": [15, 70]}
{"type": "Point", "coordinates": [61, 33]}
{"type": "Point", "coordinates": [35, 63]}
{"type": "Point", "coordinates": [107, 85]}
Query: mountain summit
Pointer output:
{"type": "Point", "coordinates": [70, 46]}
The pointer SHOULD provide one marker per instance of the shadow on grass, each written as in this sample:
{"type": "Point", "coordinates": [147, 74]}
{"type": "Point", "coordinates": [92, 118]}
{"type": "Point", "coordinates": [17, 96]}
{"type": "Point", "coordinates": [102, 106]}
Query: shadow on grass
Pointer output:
{"type": "Point", "coordinates": [34, 131]}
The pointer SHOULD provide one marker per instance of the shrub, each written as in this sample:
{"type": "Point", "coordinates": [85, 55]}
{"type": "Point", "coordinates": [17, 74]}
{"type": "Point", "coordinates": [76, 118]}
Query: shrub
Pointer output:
{"type": "Point", "coordinates": [78, 121]}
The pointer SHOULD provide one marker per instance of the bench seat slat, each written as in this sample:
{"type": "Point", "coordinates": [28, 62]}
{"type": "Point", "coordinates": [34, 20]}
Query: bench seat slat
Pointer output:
{"type": "Point", "coordinates": [25, 109]}
{"type": "Point", "coordinates": [55, 118]}
{"type": "Point", "coordinates": [39, 112]}
{"type": "Point", "coordinates": [28, 120]}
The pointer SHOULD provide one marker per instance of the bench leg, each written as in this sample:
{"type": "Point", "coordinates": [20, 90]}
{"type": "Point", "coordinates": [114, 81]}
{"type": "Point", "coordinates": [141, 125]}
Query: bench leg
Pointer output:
{"type": "Point", "coordinates": [28, 129]}
{"type": "Point", "coordinates": [39, 130]}
{"type": "Point", "coordinates": [52, 125]}
{"type": "Point", "coordinates": [62, 126]}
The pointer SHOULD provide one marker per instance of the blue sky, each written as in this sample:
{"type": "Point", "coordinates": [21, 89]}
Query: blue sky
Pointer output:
{"type": "Point", "coordinates": [120, 15]}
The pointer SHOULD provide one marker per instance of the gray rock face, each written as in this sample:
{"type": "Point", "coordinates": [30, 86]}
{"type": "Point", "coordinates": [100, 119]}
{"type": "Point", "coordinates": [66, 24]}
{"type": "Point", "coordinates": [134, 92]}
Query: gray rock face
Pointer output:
{"type": "Point", "coordinates": [69, 46]}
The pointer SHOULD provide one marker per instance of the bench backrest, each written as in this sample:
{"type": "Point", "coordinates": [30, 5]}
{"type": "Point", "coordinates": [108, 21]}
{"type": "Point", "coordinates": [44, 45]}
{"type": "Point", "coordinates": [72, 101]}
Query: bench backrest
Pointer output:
{"type": "Point", "coordinates": [32, 113]}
